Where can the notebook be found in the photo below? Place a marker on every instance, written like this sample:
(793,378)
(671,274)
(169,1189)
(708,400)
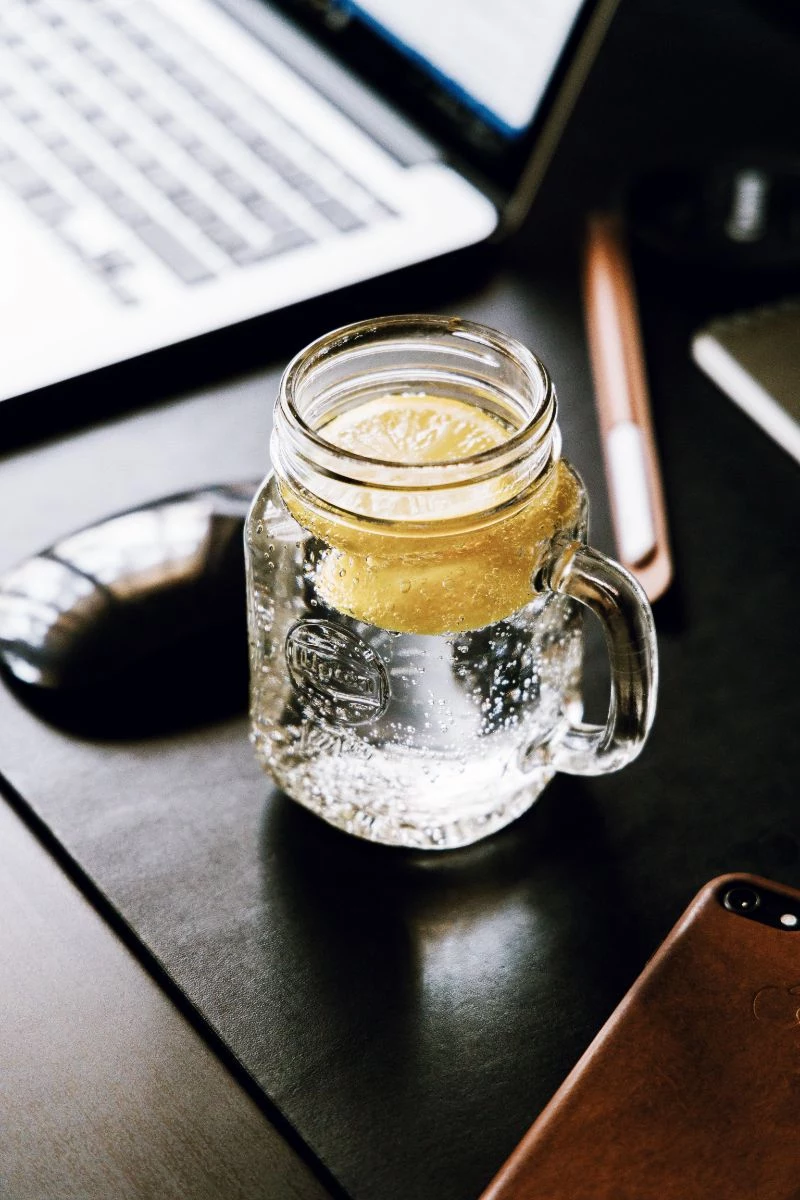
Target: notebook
(171,168)
(755,358)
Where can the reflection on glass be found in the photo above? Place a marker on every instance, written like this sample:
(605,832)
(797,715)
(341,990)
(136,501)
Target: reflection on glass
(36,596)
(133,552)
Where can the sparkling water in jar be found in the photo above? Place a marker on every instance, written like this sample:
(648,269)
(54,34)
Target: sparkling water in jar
(416,565)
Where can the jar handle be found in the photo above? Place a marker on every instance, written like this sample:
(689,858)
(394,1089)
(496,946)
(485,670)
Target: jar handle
(615,597)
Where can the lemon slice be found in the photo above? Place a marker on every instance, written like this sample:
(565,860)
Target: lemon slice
(407,580)
(414,429)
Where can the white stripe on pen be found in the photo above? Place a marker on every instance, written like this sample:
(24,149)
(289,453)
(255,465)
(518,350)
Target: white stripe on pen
(627,470)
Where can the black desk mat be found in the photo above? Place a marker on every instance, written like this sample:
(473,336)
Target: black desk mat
(410,1015)
(407,1014)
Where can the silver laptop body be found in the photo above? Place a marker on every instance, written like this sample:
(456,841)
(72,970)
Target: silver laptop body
(167,169)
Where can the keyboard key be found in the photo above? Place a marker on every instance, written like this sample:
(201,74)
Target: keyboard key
(162,178)
(138,37)
(237,185)
(49,16)
(72,157)
(200,213)
(162,58)
(88,108)
(21,108)
(226,237)
(110,129)
(64,87)
(22,179)
(208,158)
(112,262)
(114,16)
(126,83)
(185,79)
(379,210)
(180,133)
(37,62)
(269,214)
(100,60)
(242,129)
(340,216)
(272,156)
(100,182)
(249,255)
(49,206)
(312,189)
(154,109)
(173,253)
(218,108)
(48,134)
(138,155)
(127,209)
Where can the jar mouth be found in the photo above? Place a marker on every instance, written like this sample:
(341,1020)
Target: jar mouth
(411,355)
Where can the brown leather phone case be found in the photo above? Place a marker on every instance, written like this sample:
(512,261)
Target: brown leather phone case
(691,1091)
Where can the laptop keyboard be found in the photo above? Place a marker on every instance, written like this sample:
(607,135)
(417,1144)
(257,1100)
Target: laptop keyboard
(126,135)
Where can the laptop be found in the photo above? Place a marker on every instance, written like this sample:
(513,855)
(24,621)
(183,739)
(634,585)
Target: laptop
(172,167)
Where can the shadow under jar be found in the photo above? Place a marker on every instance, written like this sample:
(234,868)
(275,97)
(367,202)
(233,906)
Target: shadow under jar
(416,562)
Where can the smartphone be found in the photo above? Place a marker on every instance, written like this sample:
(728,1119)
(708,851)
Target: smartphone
(691,1090)
(755,358)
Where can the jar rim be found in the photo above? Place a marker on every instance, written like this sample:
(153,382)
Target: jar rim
(344,340)
(447,356)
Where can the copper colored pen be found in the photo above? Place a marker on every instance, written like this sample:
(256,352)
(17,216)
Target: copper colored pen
(623,408)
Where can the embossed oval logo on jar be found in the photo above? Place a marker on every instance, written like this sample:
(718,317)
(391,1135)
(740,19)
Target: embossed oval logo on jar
(337,674)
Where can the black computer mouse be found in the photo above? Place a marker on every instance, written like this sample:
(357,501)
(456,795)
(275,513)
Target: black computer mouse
(136,625)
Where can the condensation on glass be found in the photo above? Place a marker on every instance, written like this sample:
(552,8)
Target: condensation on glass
(415,630)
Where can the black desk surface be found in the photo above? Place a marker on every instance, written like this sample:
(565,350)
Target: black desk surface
(408,1015)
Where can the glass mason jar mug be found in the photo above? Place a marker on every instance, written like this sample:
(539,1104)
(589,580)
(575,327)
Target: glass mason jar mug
(416,567)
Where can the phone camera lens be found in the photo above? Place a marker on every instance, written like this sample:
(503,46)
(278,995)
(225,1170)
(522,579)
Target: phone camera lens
(742,899)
